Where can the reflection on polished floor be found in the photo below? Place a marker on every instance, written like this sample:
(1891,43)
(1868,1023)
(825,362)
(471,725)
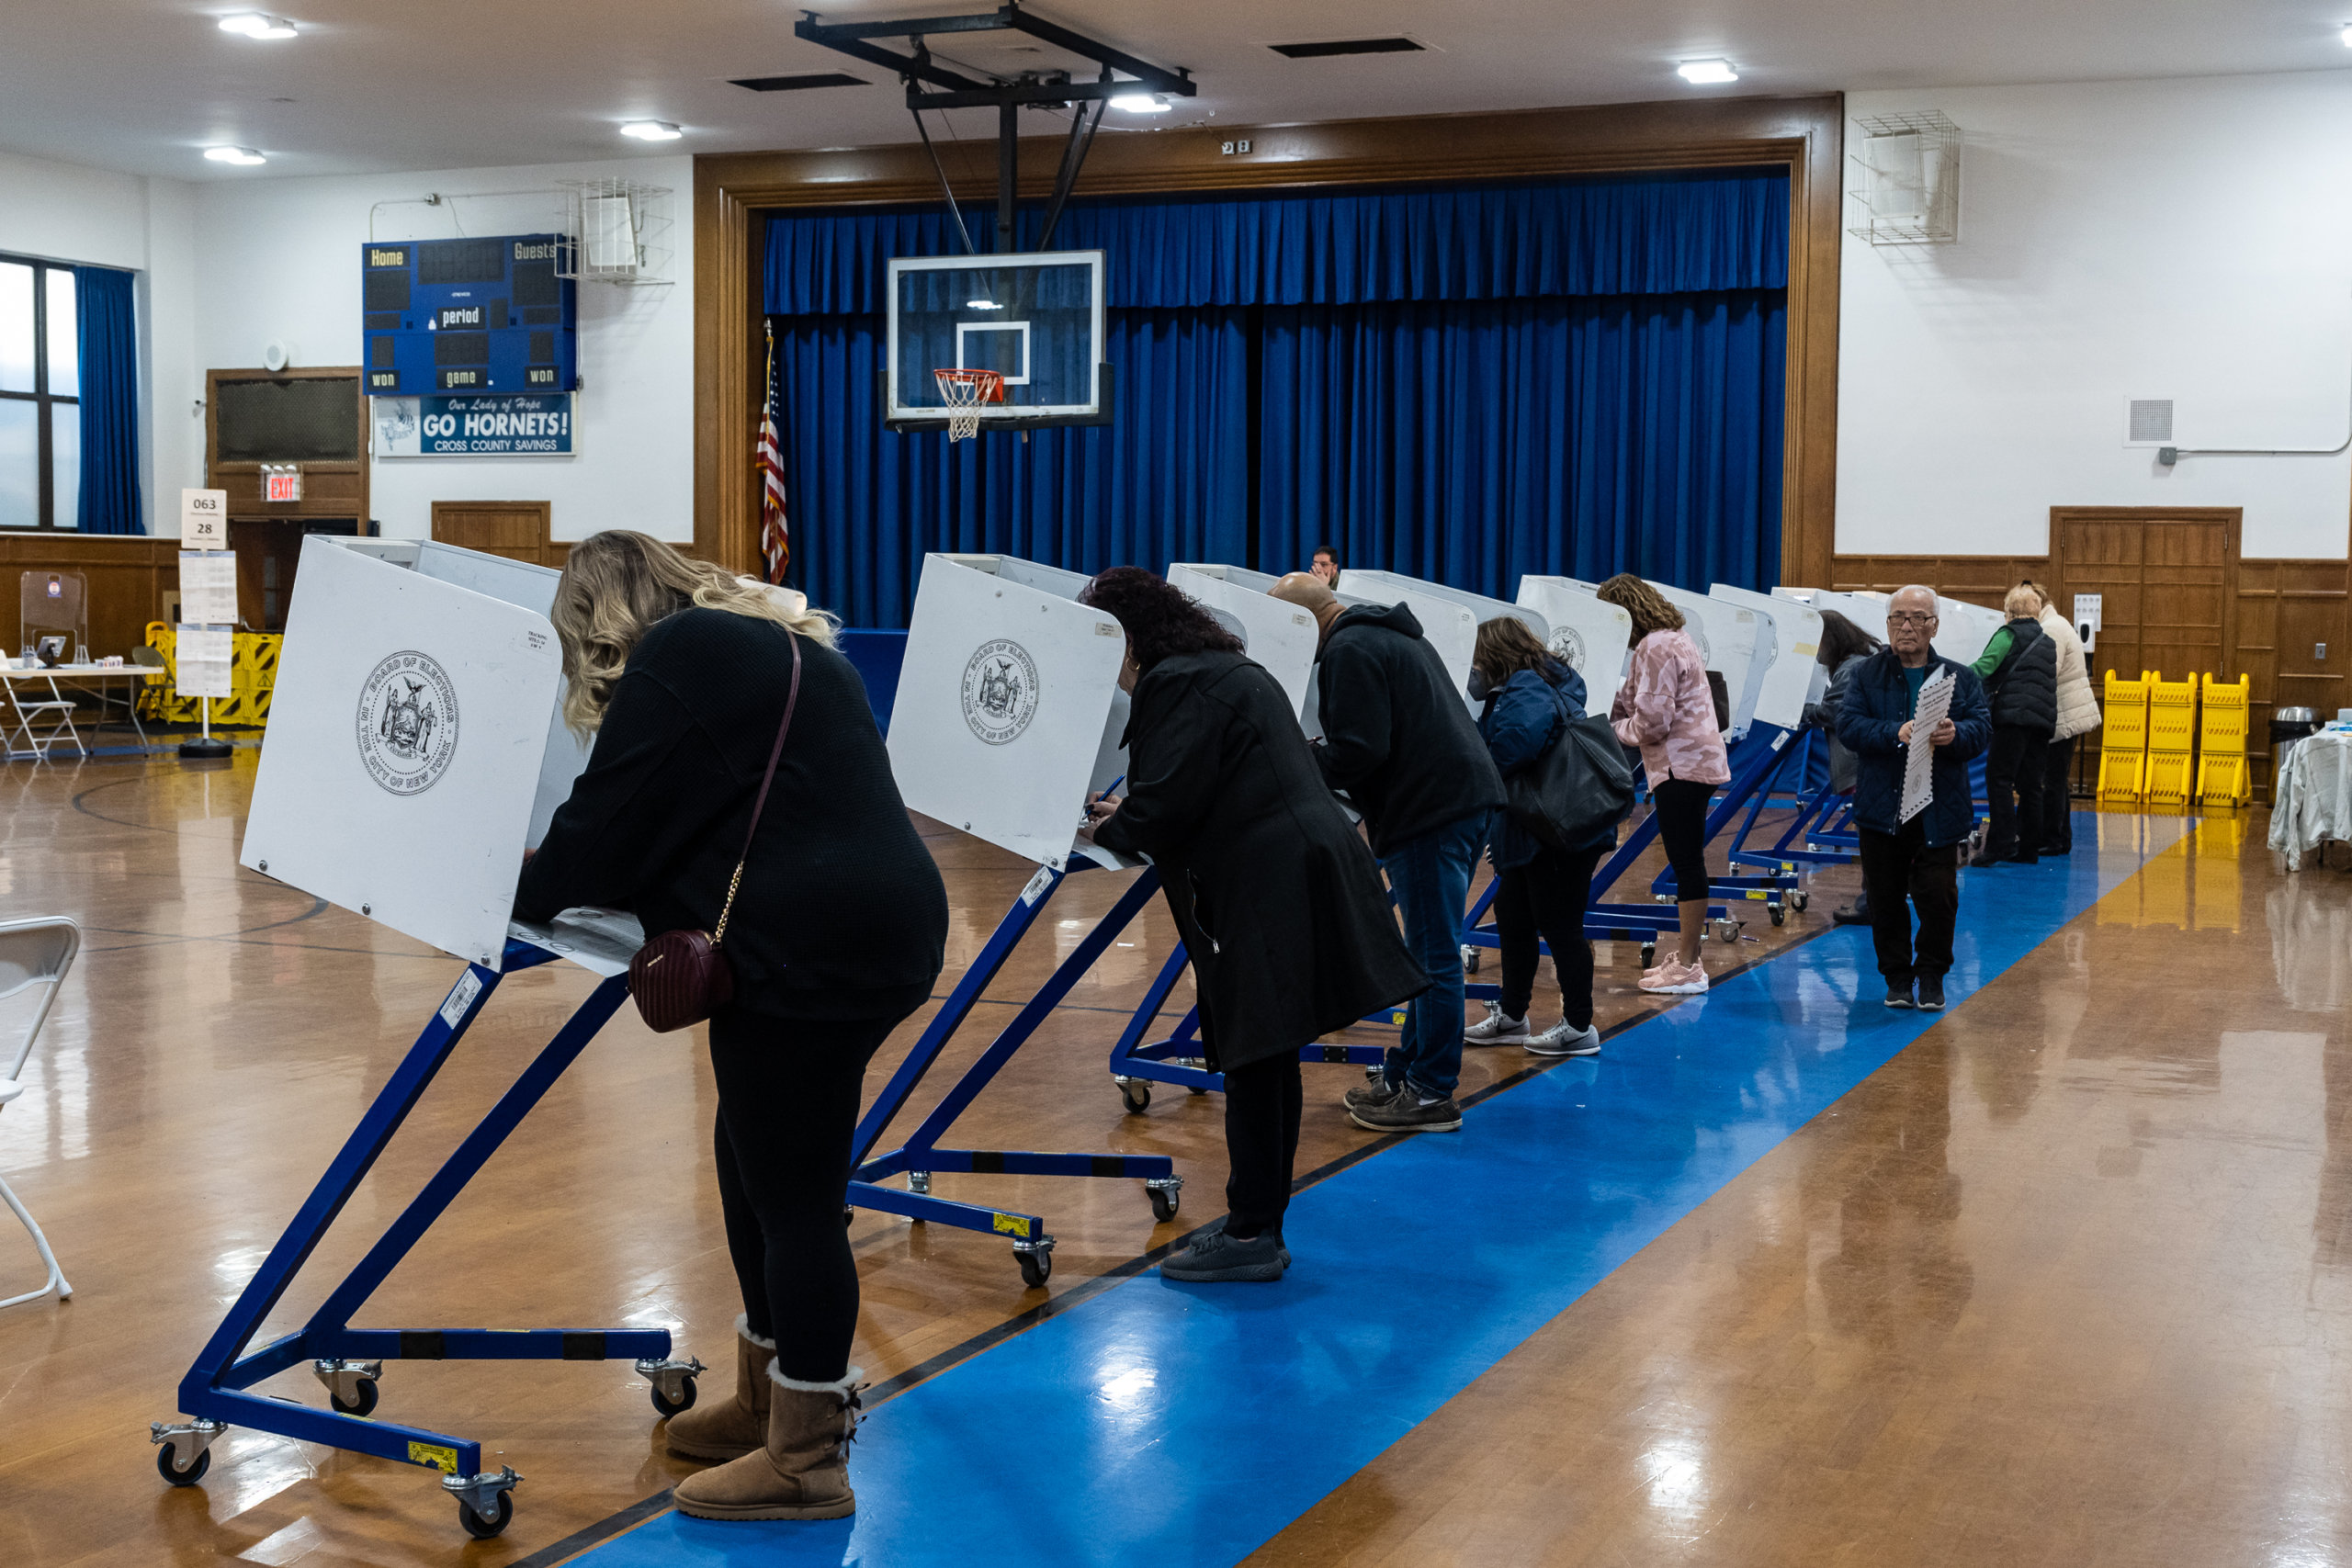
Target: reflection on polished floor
(2052,1278)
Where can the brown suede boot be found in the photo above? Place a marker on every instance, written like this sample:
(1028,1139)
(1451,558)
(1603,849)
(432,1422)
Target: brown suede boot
(737,1427)
(802,1474)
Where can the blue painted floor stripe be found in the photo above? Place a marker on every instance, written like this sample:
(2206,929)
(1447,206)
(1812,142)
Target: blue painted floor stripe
(1166,1424)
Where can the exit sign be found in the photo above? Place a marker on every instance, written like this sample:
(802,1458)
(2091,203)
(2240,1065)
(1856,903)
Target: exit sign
(280,481)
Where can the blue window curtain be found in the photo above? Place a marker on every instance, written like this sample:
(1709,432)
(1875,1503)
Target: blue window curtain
(109,348)
(1572,377)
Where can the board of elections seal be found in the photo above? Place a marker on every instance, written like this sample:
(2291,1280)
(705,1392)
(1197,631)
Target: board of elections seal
(407,723)
(1000,691)
(1567,645)
(1699,637)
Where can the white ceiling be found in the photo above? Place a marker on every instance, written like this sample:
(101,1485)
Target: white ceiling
(142,85)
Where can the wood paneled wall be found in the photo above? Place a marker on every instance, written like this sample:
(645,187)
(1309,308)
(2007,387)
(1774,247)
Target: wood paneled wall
(128,576)
(1979,580)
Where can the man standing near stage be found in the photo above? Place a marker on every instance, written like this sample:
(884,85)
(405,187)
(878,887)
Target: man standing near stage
(1913,863)
(1397,738)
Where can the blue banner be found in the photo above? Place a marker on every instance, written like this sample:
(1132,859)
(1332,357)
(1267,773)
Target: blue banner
(500,425)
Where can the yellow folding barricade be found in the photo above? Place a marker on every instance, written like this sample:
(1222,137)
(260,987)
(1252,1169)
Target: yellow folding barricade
(2170,776)
(2123,738)
(2224,777)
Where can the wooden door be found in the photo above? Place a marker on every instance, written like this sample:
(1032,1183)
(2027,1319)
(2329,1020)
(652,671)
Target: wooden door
(2167,578)
(515,529)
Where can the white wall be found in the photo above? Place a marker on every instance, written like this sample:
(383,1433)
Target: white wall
(2190,240)
(67,214)
(279,261)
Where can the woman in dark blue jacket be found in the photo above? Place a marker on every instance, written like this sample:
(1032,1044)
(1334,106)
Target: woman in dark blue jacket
(1530,695)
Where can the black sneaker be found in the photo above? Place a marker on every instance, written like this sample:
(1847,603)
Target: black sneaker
(1931,993)
(1214,1257)
(1402,1112)
(1280,1246)
(1851,914)
(1369,1094)
(1899,995)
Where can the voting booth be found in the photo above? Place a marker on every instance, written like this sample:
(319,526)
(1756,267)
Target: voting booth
(413,754)
(1792,677)
(1009,719)
(1276,634)
(1593,637)
(1450,627)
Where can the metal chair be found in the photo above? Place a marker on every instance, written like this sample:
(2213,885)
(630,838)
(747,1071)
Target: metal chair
(37,951)
(60,712)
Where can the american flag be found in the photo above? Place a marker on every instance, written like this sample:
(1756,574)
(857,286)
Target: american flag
(775,537)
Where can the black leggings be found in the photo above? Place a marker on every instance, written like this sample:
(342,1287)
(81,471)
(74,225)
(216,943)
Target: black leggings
(1548,895)
(1682,807)
(788,1095)
(1262,1105)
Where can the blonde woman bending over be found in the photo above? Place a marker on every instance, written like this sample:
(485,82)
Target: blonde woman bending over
(681,672)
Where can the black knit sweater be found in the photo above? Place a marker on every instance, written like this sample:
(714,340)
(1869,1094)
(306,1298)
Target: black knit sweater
(841,912)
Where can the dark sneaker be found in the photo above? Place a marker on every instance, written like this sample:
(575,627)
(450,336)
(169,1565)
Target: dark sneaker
(2023,860)
(1987,863)
(1851,914)
(1899,995)
(1931,993)
(1214,1257)
(1369,1094)
(1403,1112)
(1280,1246)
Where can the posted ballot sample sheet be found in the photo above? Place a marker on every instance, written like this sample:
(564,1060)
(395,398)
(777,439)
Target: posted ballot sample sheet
(208,588)
(204,655)
(1919,766)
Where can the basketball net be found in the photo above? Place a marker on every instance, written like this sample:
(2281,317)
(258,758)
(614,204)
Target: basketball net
(964,391)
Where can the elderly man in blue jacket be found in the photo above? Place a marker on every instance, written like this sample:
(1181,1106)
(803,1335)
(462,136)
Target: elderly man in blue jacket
(1913,864)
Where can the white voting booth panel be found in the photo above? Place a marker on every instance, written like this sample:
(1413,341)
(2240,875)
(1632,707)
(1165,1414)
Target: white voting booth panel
(1452,628)
(1963,630)
(1006,703)
(1280,637)
(1868,613)
(1733,641)
(408,737)
(1789,680)
(1595,637)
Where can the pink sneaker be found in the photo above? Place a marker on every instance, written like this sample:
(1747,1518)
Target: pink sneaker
(1676,979)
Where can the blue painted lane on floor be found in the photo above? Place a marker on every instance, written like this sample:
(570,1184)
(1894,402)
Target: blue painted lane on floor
(1165,1425)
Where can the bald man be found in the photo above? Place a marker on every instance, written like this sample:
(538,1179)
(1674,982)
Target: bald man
(1397,738)
(1913,864)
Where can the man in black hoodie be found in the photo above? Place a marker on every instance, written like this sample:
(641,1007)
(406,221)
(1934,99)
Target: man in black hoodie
(1397,738)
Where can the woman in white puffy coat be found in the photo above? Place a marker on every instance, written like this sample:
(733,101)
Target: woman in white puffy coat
(2077,714)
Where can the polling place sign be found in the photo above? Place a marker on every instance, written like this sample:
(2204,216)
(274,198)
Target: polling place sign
(492,426)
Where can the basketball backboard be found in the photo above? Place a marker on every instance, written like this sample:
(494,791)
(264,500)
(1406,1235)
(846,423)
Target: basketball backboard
(1035,320)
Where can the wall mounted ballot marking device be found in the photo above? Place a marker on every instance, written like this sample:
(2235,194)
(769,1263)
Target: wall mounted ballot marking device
(479,315)
(411,761)
(1009,717)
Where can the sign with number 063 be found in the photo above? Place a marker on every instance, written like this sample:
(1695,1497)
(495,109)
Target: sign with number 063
(204,519)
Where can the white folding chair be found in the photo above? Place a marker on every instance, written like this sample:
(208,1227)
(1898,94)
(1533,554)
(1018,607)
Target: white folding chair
(58,710)
(37,951)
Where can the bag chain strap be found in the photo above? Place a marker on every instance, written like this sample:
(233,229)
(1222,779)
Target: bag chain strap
(791,701)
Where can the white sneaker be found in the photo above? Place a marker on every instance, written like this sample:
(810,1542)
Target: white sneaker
(1496,1029)
(1676,979)
(1561,1041)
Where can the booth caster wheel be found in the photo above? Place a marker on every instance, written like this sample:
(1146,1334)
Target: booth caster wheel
(918,1181)
(1780,916)
(363,1404)
(1167,1195)
(849,1215)
(1037,1262)
(484,1527)
(1726,930)
(1136,1093)
(1470,959)
(1800,900)
(1649,955)
(175,1476)
(1373,1073)
(673,1383)
(350,1384)
(665,1406)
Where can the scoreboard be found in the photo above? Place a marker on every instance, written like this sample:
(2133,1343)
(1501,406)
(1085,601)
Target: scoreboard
(485,315)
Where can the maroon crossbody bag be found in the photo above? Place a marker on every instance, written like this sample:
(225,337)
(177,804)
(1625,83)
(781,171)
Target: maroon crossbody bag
(682,978)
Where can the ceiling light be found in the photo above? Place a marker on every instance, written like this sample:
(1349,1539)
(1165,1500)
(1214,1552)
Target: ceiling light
(253,24)
(1141,103)
(1706,73)
(2347,37)
(652,131)
(982,305)
(243,157)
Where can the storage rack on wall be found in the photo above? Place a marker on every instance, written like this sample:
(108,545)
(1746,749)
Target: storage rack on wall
(1905,187)
(616,230)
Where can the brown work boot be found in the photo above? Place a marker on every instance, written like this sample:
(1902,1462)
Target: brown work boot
(802,1474)
(739,1427)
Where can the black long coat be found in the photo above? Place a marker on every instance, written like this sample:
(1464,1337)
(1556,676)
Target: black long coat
(1279,902)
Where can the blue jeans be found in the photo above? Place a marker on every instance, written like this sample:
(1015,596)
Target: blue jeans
(1431,876)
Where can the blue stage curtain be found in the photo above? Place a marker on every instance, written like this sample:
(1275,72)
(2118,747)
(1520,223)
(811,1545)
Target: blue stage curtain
(1473,443)
(109,350)
(1166,479)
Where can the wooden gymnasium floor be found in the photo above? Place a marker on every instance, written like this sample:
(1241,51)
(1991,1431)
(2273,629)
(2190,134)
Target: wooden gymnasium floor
(2064,1280)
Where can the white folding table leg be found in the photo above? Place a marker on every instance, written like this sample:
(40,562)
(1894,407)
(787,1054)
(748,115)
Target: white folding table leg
(56,1281)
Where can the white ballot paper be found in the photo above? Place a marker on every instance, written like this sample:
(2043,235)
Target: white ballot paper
(203,654)
(208,588)
(1919,767)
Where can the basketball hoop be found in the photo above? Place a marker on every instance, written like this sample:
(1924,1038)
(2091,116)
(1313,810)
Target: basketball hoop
(964,391)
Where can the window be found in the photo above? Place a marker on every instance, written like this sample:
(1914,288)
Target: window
(40,403)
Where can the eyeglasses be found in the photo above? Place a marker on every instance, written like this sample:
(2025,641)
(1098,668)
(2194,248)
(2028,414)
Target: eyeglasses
(1911,620)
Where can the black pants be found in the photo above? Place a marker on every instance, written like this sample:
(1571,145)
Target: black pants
(1261,1111)
(1547,895)
(2013,783)
(1682,807)
(1899,872)
(789,1093)
(2058,798)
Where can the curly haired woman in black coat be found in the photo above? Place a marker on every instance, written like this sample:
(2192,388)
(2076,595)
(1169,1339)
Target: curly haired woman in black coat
(1278,900)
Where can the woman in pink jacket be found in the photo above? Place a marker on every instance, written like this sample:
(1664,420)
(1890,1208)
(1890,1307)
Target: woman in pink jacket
(1665,708)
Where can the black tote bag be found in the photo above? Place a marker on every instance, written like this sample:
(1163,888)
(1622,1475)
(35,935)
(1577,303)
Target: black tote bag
(1578,787)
